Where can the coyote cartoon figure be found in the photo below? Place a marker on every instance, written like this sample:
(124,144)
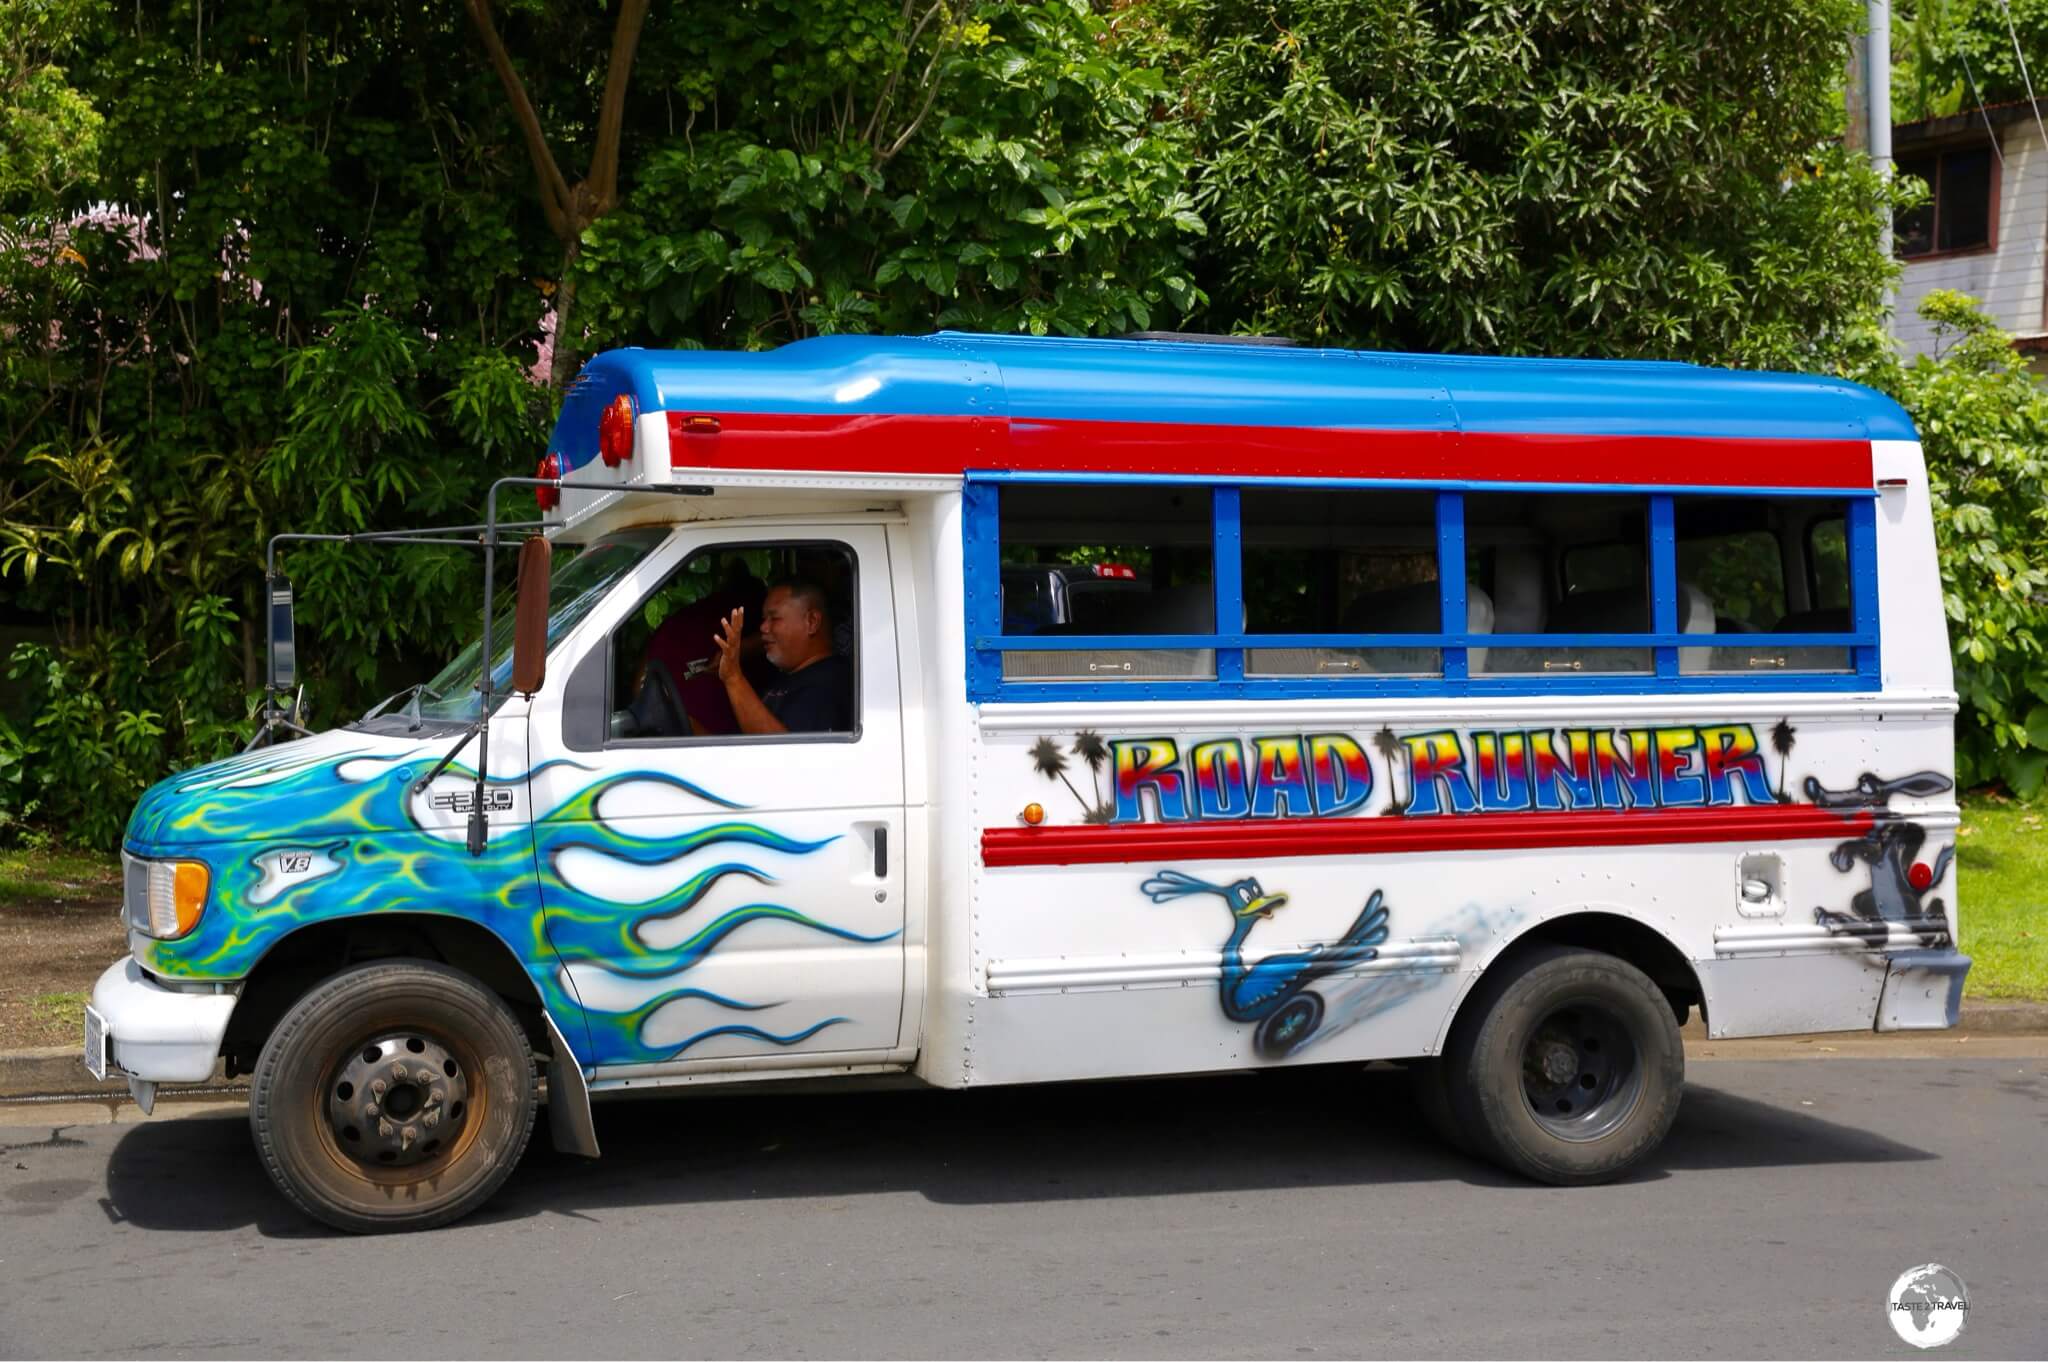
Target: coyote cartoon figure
(1899,881)
(1273,991)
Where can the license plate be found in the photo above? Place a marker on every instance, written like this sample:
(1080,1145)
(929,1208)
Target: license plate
(95,1044)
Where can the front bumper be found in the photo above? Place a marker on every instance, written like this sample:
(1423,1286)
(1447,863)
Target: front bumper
(158,1034)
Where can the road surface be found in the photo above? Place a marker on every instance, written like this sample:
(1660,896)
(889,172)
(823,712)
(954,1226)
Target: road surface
(1296,1214)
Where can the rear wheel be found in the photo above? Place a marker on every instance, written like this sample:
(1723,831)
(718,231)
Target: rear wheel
(396,1096)
(1567,1067)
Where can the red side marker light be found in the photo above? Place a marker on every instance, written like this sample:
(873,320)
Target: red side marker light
(1920,875)
(1890,484)
(615,431)
(548,497)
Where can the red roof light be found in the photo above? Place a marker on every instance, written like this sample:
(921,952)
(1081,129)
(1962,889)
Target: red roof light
(615,431)
(548,497)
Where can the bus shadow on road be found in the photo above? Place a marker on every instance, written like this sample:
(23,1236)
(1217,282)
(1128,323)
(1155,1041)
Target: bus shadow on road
(1292,1129)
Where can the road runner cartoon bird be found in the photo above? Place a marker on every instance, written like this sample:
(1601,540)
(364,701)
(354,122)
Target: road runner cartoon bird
(1272,991)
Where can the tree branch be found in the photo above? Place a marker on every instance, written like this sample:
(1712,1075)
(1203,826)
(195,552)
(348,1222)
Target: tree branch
(888,95)
(931,94)
(603,179)
(554,190)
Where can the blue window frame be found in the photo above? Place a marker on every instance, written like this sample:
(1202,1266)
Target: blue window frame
(1670,649)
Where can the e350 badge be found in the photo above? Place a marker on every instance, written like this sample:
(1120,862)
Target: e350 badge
(462,801)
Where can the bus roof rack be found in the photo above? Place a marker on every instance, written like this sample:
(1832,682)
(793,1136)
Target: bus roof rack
(1209,338)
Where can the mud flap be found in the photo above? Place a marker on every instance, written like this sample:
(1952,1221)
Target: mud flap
(1923,991)
(569,1121)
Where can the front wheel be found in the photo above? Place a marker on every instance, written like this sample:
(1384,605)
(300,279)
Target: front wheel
(1566,1068)
(396,1096)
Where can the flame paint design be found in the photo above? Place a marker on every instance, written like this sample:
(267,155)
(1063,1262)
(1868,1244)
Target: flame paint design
(232,813)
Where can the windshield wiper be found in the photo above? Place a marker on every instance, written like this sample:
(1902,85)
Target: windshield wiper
(411,696)
(412,706)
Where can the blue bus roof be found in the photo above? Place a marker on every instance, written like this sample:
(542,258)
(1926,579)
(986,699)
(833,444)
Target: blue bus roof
(1058,378)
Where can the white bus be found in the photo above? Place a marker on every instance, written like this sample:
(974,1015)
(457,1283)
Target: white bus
(1008,710)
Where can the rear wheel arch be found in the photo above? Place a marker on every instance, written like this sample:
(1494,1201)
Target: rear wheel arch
(299,961)
(1609,933)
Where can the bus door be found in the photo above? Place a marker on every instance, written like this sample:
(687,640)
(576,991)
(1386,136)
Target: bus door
(714,894)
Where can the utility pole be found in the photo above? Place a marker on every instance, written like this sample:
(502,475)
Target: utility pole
(1878,90)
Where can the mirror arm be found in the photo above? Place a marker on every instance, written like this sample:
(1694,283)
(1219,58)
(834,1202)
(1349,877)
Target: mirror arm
(430,777)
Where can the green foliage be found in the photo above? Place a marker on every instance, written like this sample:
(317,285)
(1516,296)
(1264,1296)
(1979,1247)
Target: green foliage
(1943,50)
(1040,189)
(49,130)
(1552,177)
(1983,423)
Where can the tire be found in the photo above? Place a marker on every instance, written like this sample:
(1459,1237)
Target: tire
(1429,1087)
(456,1109)
(1565,1067)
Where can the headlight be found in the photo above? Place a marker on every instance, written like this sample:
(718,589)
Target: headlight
(164,898)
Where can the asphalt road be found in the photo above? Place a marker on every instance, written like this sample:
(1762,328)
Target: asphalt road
(1277,1215)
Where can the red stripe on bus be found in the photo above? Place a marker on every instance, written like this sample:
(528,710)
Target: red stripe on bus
(951,445)
(1099,844)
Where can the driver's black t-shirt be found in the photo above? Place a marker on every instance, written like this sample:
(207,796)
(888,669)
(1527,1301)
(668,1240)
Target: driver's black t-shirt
(815,699)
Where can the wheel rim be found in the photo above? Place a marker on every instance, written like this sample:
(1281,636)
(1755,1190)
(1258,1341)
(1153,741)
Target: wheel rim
(1581,1073)
(398,1105)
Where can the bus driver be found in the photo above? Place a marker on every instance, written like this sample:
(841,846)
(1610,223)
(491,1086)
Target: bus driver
(814,694)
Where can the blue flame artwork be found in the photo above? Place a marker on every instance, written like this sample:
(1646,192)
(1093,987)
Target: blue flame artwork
(319,830)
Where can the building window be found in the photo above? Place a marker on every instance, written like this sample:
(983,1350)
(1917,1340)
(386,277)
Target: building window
(1958,213)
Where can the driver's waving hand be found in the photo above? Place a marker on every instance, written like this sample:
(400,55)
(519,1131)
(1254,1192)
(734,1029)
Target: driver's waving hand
(814,693)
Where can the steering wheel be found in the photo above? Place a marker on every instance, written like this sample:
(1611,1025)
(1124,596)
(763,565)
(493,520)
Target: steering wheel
(657,711)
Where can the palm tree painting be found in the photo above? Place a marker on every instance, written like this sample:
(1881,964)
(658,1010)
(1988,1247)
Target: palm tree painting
(1089,747)
(1052,764)
(1387,745)
(1782,737)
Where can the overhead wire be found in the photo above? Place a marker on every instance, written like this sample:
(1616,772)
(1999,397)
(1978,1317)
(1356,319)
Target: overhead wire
(2032,103)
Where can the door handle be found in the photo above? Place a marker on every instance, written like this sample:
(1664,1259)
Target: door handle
(882,852)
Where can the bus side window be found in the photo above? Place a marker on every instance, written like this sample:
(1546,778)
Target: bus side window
(1567,563)
(1827,563)
(1344,562)
(1113,561)
(1732,556)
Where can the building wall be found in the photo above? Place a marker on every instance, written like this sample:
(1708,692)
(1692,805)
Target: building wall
(2007,281)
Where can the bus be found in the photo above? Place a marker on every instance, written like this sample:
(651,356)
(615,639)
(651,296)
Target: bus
(996,710)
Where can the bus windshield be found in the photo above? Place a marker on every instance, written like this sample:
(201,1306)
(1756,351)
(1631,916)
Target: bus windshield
(582,576)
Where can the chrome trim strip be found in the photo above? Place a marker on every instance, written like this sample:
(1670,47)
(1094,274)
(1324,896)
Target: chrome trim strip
(1425,955)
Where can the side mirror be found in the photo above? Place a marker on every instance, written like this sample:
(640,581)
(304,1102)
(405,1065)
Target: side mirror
(530,624)
(284,661)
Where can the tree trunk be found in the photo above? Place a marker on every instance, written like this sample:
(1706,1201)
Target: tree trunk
(570,208)
(567,357)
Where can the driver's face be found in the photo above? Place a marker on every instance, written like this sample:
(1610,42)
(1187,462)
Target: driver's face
(786,628)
